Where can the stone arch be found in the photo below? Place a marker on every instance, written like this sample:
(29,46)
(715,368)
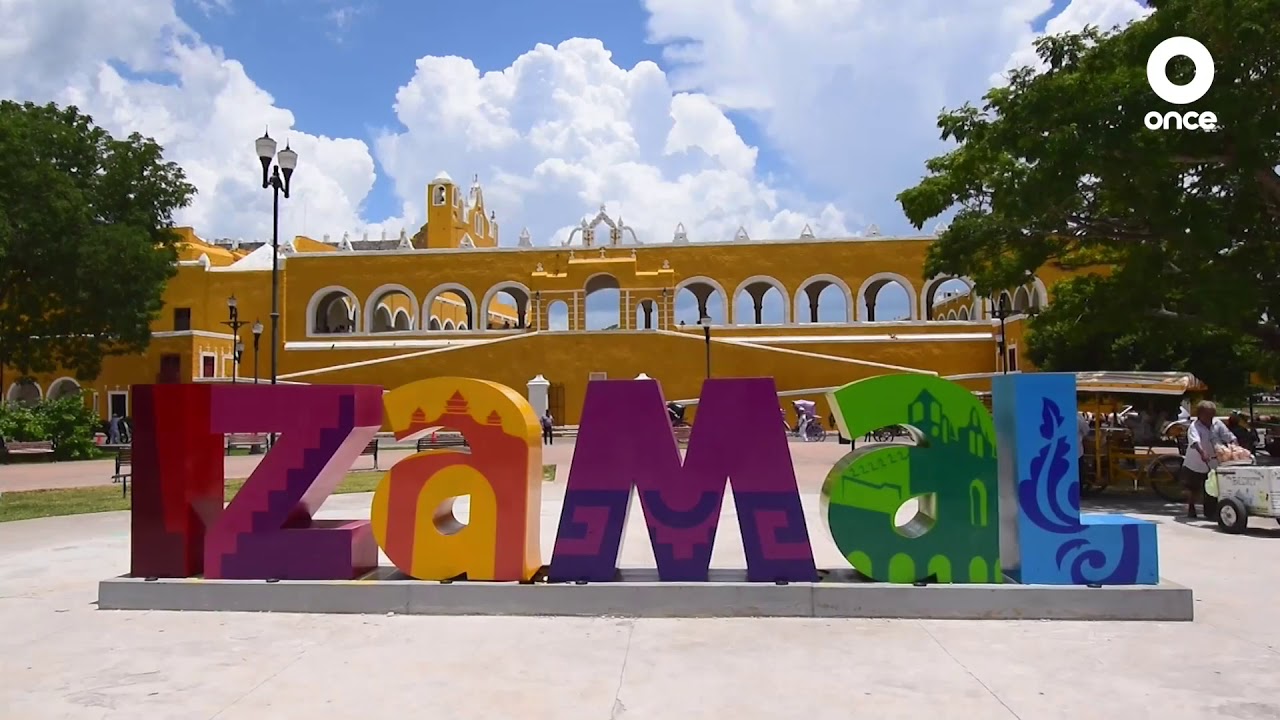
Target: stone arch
(647,315)
(376,299)
(468,300)
(330,308)
(963,314)
(1004,299)
(870,289)
(434,324)
(814,288)
(382,320)
(448,326)
(558,315)
(27,392)
(928,296)
(1021,300)
(703,290)
(63,387)
(609,318)
(1039,294)
(402,321)
(462,326)
(952,315)
(757,288)
(518,292)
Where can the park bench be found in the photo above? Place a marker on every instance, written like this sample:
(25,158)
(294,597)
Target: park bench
(36,448)
(124,469)
(246,440)
(435,441)
(371,450)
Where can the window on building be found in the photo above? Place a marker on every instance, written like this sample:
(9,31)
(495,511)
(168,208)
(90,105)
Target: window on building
(170,369)
(208,366)
(118,402)
(439,195)
(1013,359)
(479,224)
(181,319)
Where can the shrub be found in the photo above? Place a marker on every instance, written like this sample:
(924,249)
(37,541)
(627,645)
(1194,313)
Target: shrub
(66,421)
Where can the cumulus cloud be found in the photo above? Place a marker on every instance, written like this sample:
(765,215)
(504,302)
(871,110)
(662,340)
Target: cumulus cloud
(846,93)
(558,133)
(564,129)
(138,66)
(1105,14)
(850,91)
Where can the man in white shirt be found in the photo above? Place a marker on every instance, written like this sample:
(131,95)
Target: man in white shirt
(1205,434)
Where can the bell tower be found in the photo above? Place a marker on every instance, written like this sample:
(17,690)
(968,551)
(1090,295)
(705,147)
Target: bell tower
(443,210)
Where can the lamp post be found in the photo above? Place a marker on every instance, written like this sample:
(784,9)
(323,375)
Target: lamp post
(705,322)
(1002,313)
(277,178)
(257,338)
(237,354)
(235,323)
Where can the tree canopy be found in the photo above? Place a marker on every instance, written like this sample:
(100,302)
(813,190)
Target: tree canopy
(1058,167)
(86,239)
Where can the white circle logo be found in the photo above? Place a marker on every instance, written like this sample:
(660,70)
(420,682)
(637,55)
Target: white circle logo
(1158,65)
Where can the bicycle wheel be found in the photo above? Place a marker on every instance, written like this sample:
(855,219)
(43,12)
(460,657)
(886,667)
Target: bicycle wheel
(815,433)
(1162,476)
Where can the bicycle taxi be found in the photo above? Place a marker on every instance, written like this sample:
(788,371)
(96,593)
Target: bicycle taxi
(1134,430)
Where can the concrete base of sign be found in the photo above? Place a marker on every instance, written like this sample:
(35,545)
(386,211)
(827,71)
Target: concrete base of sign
(637,593)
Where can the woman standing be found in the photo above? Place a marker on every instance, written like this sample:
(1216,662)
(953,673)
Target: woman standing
(1205,434)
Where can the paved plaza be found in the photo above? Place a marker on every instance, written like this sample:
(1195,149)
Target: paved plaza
(61,658)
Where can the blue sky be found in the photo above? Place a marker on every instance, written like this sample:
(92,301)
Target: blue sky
(339,63)
(715,115)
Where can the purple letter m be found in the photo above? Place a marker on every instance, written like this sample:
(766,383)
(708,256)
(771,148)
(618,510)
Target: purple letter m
(626,441)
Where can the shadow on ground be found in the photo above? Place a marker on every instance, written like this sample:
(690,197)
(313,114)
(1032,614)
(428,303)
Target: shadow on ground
(1151,505)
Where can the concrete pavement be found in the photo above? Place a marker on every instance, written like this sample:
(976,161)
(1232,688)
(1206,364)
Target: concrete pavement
(60,658)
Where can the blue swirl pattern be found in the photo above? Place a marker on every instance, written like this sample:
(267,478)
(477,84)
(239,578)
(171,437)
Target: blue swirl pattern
(1057,545)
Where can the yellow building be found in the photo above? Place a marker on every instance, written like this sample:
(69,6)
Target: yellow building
(450,301)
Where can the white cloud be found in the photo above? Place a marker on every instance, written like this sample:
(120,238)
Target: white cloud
(564,129)
(1105,14)
(556,134)
(137,66)
(848,90)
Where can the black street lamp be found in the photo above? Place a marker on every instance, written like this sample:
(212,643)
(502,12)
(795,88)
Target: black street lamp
(705,322)
(277,179)
(257,339)
(1002,313)
(235,323)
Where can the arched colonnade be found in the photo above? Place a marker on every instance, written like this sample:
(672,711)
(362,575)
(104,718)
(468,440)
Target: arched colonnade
(602,304)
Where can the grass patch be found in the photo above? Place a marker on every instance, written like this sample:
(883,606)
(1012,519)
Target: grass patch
(32,504)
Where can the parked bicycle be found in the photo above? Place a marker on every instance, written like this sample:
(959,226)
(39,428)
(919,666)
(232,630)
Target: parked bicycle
(886,434)
(808,427)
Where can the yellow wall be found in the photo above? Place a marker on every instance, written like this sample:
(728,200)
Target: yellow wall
(452,281)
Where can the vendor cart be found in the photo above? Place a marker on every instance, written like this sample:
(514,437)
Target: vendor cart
(1121,452)
(1245,490)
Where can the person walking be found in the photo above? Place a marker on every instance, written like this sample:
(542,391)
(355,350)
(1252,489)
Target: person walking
(1205,433)
(547,424)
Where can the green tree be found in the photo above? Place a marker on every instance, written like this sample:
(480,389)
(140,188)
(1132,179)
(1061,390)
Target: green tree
(1058,167)
(86,239)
